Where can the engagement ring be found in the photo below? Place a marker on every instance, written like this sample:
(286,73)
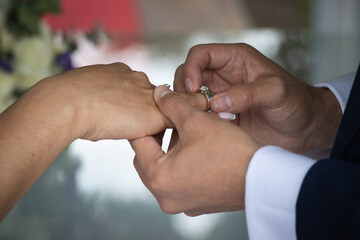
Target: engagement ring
(205,90)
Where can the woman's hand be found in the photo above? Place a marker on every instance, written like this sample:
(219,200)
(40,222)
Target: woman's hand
(109,102)
(271,105)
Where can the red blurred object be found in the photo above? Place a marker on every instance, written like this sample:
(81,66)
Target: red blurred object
(115,16)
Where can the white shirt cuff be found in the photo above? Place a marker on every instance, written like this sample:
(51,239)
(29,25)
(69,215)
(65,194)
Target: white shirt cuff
(340,87)
(273,181)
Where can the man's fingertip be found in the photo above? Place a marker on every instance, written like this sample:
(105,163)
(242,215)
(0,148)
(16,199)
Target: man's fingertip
(222,102)
(161,91)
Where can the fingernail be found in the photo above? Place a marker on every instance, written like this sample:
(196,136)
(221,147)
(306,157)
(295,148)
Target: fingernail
(226,115)
(161,91)
(167,85)
(188,84)
(222,103)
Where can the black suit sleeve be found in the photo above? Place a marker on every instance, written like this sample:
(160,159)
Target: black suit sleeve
(328,205)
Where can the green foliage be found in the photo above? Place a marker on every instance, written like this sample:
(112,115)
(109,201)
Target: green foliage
(24,15)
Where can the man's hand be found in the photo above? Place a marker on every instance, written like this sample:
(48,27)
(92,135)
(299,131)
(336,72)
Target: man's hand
(272,106)
(204,172)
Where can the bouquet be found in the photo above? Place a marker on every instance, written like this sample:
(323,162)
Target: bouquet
(29,50)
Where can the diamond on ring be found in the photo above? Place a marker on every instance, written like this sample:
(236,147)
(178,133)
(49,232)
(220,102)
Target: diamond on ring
(205,90)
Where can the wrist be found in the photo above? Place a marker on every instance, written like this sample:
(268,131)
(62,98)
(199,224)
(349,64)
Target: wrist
(34,131)
(55,106)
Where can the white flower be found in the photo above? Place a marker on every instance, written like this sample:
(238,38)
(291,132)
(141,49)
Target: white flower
(34,58)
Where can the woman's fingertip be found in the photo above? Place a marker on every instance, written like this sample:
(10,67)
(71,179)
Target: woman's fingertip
(161,91)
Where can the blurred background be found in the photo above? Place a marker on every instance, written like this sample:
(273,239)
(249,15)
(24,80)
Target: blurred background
(92,190)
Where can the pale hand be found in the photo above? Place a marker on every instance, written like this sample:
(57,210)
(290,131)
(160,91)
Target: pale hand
(107,102)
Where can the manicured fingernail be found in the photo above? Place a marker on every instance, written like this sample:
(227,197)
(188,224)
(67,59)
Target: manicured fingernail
(161,91)
(189,84)
(222,103)
(226,115)
(167,85)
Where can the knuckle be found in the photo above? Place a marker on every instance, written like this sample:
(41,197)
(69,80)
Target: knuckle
(198,49)
(193,99)
(158,183)
(140,79)
(167,207)
(248,50)
(179,85)
(179,70)
(120,65)
(195,48)
(192,214)
(171,100)
(139,75)
(246,95)
(279,88)
(245,47)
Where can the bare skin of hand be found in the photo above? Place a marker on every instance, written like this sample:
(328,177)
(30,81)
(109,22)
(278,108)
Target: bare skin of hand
(271,105)
(117,103)
(204,172)
(94,103)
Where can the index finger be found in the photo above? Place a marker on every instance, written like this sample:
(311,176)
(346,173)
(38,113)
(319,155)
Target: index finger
(201,58)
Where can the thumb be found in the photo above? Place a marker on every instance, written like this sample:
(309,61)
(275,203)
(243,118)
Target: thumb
(268,92)
(197,100)
(173,106)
